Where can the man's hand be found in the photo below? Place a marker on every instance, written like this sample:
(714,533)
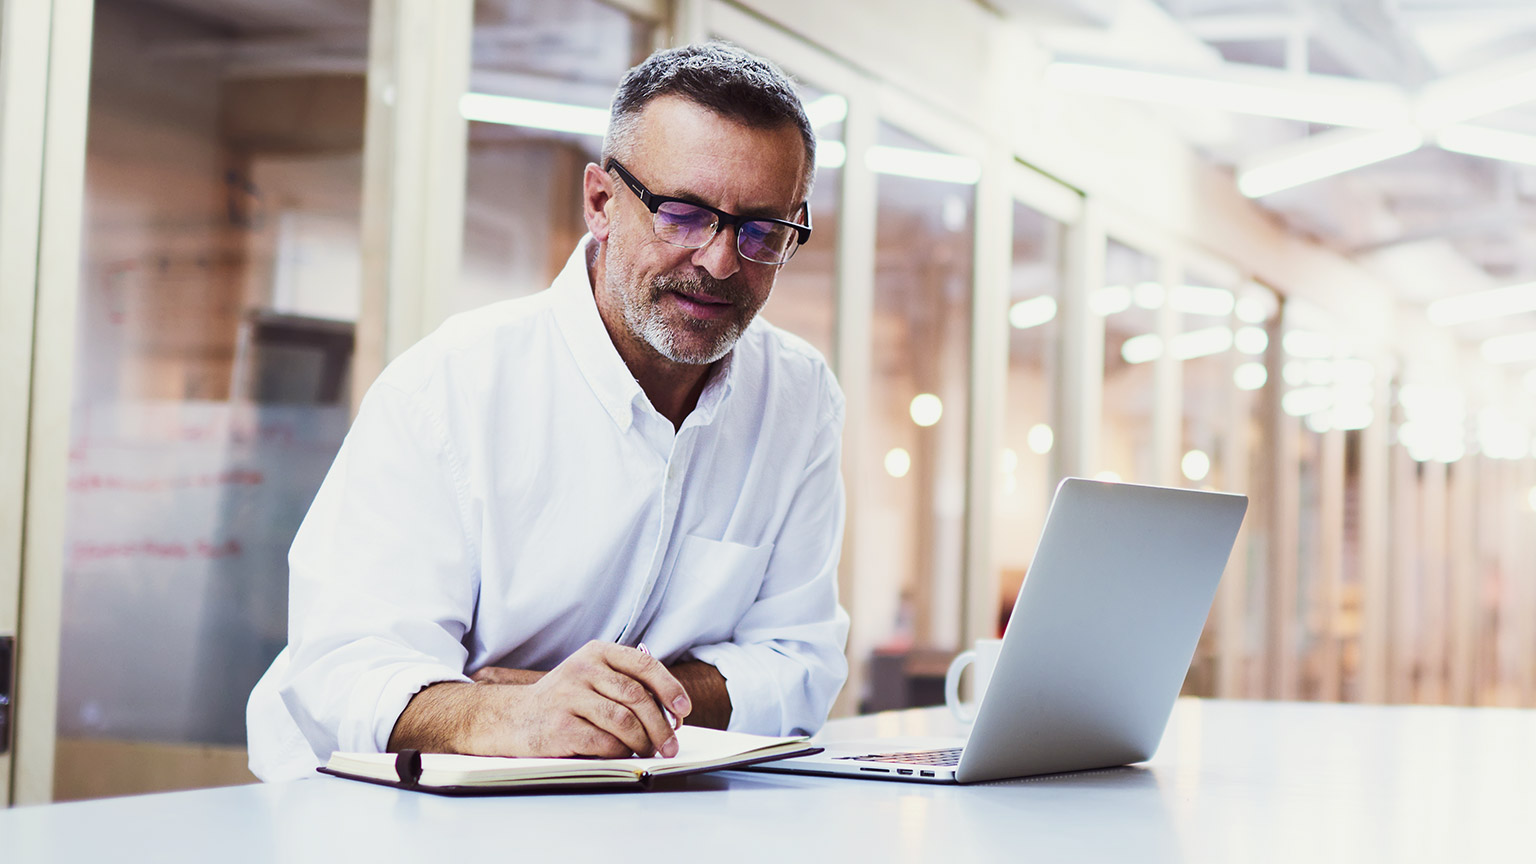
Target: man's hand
(601,701)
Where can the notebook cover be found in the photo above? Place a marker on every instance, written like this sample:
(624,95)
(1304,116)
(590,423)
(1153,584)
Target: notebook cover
(408,766)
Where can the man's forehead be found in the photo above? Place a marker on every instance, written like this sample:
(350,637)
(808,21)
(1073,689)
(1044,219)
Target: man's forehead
(692,143)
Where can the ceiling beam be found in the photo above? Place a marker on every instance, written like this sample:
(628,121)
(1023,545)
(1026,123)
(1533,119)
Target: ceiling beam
(1242,89)
(1323,155)
(1246,26)
(1362,35)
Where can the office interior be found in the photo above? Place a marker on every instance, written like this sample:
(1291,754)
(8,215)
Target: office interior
(1269,247)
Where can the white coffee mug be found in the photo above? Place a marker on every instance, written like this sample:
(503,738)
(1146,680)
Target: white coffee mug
(984,657)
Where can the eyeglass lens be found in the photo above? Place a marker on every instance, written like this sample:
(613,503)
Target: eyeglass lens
(683,224)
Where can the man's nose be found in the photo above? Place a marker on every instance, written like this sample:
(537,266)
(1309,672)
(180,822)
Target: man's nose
(718,256)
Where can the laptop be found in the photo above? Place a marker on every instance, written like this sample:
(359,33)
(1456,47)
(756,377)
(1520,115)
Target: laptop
(1095,653)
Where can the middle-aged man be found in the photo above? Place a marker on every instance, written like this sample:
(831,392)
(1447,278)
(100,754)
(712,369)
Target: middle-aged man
(544,488)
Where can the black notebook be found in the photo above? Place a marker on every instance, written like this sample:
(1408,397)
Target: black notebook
(699,750)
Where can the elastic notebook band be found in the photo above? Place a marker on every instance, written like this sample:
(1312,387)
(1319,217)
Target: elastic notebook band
(408,766)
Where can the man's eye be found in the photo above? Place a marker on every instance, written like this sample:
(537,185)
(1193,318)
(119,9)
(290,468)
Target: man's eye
(680,215)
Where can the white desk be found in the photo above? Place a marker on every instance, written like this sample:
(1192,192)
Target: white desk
(1232,782)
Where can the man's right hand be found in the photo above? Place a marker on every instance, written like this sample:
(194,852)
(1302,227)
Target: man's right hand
(600,701)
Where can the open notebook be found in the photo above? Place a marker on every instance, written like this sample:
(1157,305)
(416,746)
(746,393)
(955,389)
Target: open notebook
(699,750)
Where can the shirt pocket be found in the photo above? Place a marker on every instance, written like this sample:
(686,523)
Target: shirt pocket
(713,583)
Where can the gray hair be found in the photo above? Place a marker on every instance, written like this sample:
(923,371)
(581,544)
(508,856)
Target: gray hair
(732,83)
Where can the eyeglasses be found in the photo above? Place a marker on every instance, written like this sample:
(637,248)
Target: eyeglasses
(691,226)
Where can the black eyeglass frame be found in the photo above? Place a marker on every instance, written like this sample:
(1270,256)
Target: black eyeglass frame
(653,202)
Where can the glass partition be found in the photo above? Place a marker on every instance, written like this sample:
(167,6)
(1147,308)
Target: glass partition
(1128,303)
(218,296)
(1242,659)
(542,75)
(804,299)
(912,516)
(1202,344)
(1023,486)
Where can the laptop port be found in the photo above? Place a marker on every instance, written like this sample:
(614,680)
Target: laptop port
(927,773)
(903,770)
(876,770)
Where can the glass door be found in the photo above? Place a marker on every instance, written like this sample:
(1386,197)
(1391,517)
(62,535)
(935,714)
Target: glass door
(219,291)
(910,529)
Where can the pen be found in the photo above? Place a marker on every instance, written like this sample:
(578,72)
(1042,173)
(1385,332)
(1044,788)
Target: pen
(671,720)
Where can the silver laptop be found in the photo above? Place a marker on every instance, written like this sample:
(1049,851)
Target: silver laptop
(1102,633)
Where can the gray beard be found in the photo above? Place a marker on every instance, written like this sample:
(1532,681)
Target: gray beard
(644,318)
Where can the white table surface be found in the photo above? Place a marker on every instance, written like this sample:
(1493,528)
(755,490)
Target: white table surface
(1232,782)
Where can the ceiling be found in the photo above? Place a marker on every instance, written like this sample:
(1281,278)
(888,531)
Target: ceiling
(1434,222)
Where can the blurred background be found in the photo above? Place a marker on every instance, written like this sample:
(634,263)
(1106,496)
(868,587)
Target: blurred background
(1279,247)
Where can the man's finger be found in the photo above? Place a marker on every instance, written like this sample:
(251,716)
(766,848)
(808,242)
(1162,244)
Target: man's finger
(649,671)
(588,739)
(636,698)
(616,719)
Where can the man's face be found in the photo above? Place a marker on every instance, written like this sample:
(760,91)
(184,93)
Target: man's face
(689,306)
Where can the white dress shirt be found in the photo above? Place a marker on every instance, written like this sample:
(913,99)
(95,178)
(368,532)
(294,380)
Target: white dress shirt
(507,493)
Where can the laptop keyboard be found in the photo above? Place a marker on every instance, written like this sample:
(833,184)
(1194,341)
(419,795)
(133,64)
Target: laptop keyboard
(945,756)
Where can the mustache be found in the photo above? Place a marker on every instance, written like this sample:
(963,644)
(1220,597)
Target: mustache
(727,290)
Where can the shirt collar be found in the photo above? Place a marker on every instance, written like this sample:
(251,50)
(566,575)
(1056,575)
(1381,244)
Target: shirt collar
(600,364)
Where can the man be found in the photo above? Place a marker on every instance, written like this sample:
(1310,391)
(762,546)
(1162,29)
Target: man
(542,489)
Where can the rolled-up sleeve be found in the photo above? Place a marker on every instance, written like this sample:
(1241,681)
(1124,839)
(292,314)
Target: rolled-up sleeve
(784,664)
(383,578)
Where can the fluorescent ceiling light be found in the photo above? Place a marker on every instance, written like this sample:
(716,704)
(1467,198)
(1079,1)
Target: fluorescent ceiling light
(1250,376)
(1189,299)
(1201,343)
(1251,340)
(1032,312)
(1488,143)
(1306,400)
(1142,349)
(532,113)
(1479,305)
(1201,300)
(1312,98)
(1196,465)
(1252,310)
(1324,156)
(1041,438)
(1185,346)
(1516,348)
(1110,300)
(1481,91)
(826,110)
(923,165)
(1425,441)
(830,154)
(926,409)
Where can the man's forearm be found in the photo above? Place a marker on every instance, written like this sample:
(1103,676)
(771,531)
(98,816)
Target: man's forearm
(438,719)
(706,690)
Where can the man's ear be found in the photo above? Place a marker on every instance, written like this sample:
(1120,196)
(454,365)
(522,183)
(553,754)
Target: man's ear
(596,197)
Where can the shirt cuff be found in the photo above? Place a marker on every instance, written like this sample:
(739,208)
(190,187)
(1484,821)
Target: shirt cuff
(379,698)
(755,703)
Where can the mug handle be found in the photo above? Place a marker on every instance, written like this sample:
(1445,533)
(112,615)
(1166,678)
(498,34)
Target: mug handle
(964,713)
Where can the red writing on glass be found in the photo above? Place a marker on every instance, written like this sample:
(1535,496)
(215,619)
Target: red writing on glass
(86,553)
